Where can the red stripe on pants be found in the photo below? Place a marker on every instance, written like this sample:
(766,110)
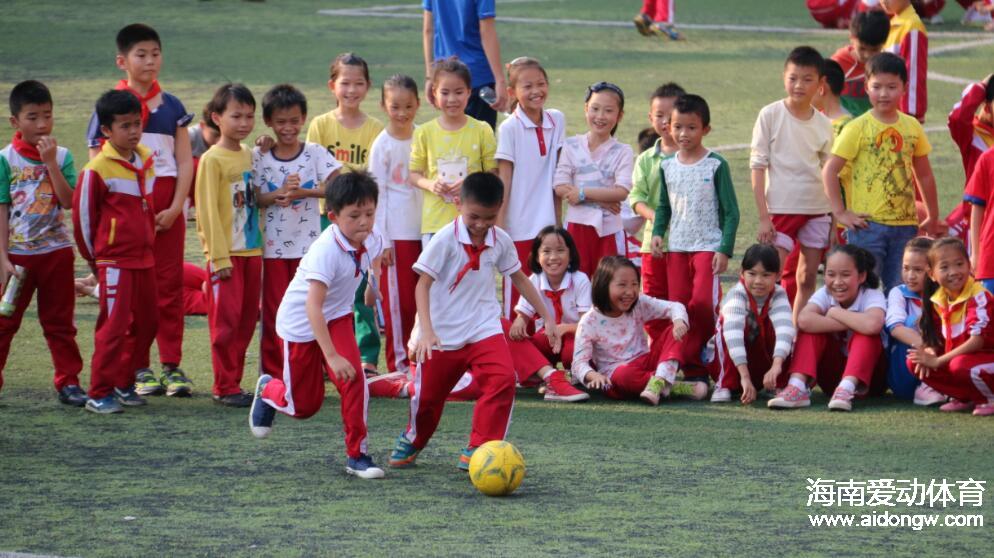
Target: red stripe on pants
(232,312)
(276,276)
(759,359)
(299,390)
(50,274)
(489,363)
(127,321)
(966,378)
(629,379)
(591,246)
(691,283)
(397,283)
(827,358)
(511,294)
(565,355)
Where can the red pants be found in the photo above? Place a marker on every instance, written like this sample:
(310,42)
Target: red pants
(788,279)
(490,364)
(276,276)
(691,283)
(655,284)
(968,377)
(397,284)
(232,312)
(194,290)
(51,275)
(298,390)
(127,321)
(169,246)
(658,10)
(565,355)
(826,358)
(511,294)
(526,357)
(592,247)
(759,359)
(629,379)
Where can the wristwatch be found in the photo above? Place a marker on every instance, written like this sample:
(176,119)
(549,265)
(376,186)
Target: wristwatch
(583,196)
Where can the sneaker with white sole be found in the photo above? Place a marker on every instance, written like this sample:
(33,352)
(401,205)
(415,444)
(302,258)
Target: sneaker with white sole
(261,414)
(956,406)
(721,395)
(129,397)
(983,410)
(653,390)
(558,388)
(790,397)
(147,384)
(363,467)
(926,396)
(841,400)
(104,405)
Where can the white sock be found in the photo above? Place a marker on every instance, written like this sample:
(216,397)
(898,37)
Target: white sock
(403,392)
(547,373)
(799,384)
(846,383)
(667,370)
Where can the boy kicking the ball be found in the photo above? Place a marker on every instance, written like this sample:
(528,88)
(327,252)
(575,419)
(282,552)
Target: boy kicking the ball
(459,319)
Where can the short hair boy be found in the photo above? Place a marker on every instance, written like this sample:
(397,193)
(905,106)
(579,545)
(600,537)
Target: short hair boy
(909,40)
(115,229)
(867,35)
(36,178)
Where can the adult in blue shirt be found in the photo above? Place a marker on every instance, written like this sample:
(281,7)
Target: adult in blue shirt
(466,29)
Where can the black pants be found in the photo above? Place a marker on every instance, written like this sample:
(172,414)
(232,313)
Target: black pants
(480,110)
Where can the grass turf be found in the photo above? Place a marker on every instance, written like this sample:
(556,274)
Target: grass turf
(185,477)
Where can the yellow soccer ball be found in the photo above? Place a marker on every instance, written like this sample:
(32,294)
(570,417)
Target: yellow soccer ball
(497,468)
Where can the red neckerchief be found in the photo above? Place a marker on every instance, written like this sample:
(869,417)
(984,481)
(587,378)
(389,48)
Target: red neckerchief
(139,172)
(557,303)
(152,92)
(23,148)
(761,314)
(474,253)
(357,258)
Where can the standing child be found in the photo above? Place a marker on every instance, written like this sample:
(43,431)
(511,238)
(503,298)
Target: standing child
(554,262)
(398,215)
(114,225)
(789,143)
(228,226)
(36,180)
(699,215)
(459,317)
(909,41)
(594,176)
(888,151)
(288,180)
(314,323)
(971,125)
(164,121)
(755,331)
(980,195)
(838,344)
(348,133)
(528,147)
(956,357)
(611,353)
(867,35)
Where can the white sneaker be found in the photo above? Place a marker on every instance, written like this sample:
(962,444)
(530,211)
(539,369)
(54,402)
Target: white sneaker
(721,395)
(926,396)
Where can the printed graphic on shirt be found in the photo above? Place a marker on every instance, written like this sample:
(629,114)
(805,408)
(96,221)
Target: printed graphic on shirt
(244,214)
(452,169)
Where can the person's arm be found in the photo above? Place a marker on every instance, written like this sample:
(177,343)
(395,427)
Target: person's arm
(316,292)
(208,199)
(661,219)
(583,354)
(505,170)
(813,319)
(976,220)
(728,213)
(428,48)
(759,163)
(48,150)
(869,322)
(6,268)
(658,309)
(833,190)
(87,198)
(914,51)
(491,47)
(531,294)
(639,197)
(929,360)
(184,177)
(926,185)
(960,121)
(427,340)
(734,313)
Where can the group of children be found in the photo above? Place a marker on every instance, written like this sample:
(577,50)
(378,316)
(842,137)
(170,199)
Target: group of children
(404,229)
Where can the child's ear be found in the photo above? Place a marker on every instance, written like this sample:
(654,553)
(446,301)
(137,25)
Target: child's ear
(707,129)
(105,130)
(13,123)
(119,62)
(331,85)
(216,119)
(331,216)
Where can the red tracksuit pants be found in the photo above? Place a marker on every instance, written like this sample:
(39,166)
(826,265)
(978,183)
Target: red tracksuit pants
(968,377)
(565,354)
(658,10)
(127,322)
(298,390)
(655,284)
(276,276)
(490,365)
(232,313)
(629,379)
(759,359)
(51,275)
(691,283)
(397,284)
(828,357)
(511,294)
(592,246)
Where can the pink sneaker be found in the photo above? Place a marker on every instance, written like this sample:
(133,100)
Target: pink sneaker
(841,400)
(789,398)
(558,388)
(956,406)
(985,410)
(926,396)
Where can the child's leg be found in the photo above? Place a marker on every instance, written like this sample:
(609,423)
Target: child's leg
(354,392)
(809,361)
(397,285)
(813,237)
(788,279)
(511,295)
(109,368)
(169,246)
(655,284)
(276,276)
(703,296)
(367,331)
(897,237)
(144,321)
(663,361)
(250,269)
(900,378)
(433,381)
(225,301)
(861,360)
(491,366)
(565,356)
(298,390)
(56,306)
(591,246)
(526,359)
(968,378)
(465,389)
(873,240)
(10,324)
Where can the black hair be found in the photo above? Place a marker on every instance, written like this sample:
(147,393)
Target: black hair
(870,28)
(667,90)
(834,76)
(281,97)
(116,102)
(514,69)
(28,92)
(349,59)
(929,323)
(990,90)
(399,81)
(206,117)
(451,65)
(574,254)
(920,245)
(886,63)
(763,254)
(694,104)
(600,285)
(350,188)
(483,188)
(806,57)
(230,92)
(130,35)
(864,260)
(607,86)
(647,138)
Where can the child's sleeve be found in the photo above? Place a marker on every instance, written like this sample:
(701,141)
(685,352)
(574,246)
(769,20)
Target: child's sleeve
(914,51)
(626,162)
(874,299)
(896,310)
(658,309)
(583,296)
(977,316)
(728,207)
(960,121)
(922,146)
(783,323)
(847,144)
(4,183)
(94,137)
(565,167)
(505,143)
(419,151)
(507,258)
(488,148)
(640,179)
(258,175)
(433,258)
(664,212)
(759,155)
(86,202)
(821,300)
(583,347)
(208,199)
(320,268)
(734,313)
(68,169)
(978,190)
(326,164)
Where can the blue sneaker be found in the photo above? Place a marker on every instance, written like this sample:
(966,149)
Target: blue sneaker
(464,456)
(404,453)
(129,397)
(72,395)
(104,405)
(261,415)
(363,467)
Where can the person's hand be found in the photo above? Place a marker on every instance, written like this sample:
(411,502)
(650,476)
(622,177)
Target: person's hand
(164,219)
(292,182)
(500,105)
(748,391)
(439,188)
(6,272)
(571,194)
(596,380)
(851,220)
(371,295)
(924,357)
(931,227)
(519,329)
(386,257)
(561,329)
(658,247)
(680,329)
(48,149)
(452,190)
(426,342)
(767,233)
(341,368)
(771,377)
(552,334)
(611,207)
(223,274)
(719,263)
(265,143)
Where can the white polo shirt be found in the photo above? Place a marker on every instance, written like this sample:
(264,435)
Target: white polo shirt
(466,312)
(398,210)
(575,298)
(330,260)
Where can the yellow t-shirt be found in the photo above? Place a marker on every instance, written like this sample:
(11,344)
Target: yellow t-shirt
(227,213)
(882,158)
(845,175)
(451,156)
(349,145)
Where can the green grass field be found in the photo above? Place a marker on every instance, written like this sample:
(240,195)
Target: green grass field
(185,477)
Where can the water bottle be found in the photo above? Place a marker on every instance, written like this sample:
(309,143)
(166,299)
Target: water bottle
(488,95)
(10,293)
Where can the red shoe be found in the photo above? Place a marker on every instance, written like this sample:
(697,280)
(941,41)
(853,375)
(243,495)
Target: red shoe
(985,410)
(558,388)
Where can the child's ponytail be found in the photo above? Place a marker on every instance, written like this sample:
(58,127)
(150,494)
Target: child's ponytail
(929,324)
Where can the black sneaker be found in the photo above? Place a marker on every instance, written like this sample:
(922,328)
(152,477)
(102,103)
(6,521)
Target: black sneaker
(129,397)
(240,399)
(72,395)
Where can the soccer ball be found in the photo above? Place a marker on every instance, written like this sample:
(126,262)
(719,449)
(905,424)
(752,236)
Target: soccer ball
(496,468)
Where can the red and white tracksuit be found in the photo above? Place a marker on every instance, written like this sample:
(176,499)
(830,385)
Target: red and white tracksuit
(661,11)
(692,283)
(276,276)
(655,284)
(759,355)
(397,283)
(629,379)
(232,313)
(592,246)
(973,134)
(828,357)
